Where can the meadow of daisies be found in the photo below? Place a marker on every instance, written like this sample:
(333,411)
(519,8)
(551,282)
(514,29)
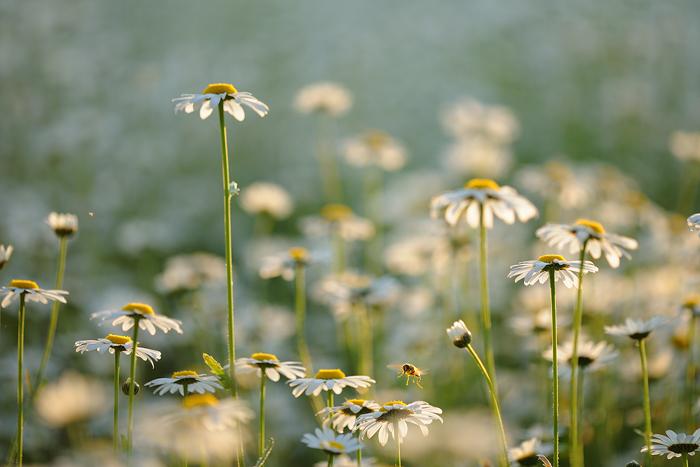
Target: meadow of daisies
(365,304)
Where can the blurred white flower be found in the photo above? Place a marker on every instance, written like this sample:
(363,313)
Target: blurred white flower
(482,194)
(338,219)
(73,398)
(213,94)
(557,183)
(284,265)
(5,254)
(331,442)
(375,148)
(191,271)
(478,157)
(591,355)
(526,452)
(63,225)
(140,313)
(469,117)
(693,223)
(323,97)
(342,292)
(636,329)
(685,145)
(266,198)
(537,271)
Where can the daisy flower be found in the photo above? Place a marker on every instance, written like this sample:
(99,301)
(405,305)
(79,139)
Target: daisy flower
(186,380)
(140,313)
(674,444)
(469,118)
(269,364)
(691,304)
(636,329)
(328,380)
(5,253)
(115,343)
(460,334)
(191,272)
(694,223)
(343,416)
(284,265)
(71,399)
(527,452)
(685,145)
(537,271)
(63,225)
(466,203)
(216,93)
(377,149)
(591,355)
(393,418)
(331,442)
(478,156)
(342,292)
(589,233)
(338,219)
(266,198)
(323,97)
(212,413)
(31,292)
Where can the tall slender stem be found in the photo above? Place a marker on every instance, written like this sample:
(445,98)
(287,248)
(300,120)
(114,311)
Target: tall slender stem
(573,390)
(366,351)
(229,254)
(20,378)
(494,405)
(690,374)
(132,385)
(398,445)
(53,323)
(332,186)
(647,401)
(485,308)
(331,458)
(555,370)
(115,430)
(300,311)
(338,251)
(261,431)
(359,457)
(685,460)
(329,398)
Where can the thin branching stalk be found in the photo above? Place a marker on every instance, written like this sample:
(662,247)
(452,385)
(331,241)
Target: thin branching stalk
(574,438)
(55,306)
(555,370)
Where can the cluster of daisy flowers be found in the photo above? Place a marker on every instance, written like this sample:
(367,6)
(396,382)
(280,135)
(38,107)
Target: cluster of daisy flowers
(374,269)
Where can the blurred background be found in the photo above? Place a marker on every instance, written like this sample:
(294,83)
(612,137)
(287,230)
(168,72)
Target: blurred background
(592,92)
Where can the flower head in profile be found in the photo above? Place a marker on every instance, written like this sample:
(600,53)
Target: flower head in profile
(343,292)
(468,118)
(72,398)
(537,271)
(31,292)
(195,382)
(330,442)
(115,343)
(694,223)
(375,148)
(527,452)
(593,234)
(393,418)
(63,225)
(685,145)
(269,365)
(636,329)
(284,265)
(5,254)
(324,97)
(328,380)
(141,314)
(459,333)
(343,416)
(212,413)
(232,101)
(674,444)
(691,304)
(592,356)
(338,219)
(268,199)
(466,203)
(191,272)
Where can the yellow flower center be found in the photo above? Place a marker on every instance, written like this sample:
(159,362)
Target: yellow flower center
(117,339)
(184,373)
(597,227)
(298,253)
(220,88)
(23,284)
(691,301)
(330,374)
(336,212)
(482,184)
(264,356)
(140,308)
(395,403)
(356,401)
(375,139)
(199,400)
(551,258)
(335,445)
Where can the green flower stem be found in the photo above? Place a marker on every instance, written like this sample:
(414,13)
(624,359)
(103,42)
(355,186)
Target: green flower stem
(485,309)
(20,378)
(332,186)
(338,252)
(132,385)
(331,458)
(574,438)
(366,348)
(115,430)
(55,306)
(229,254)
(329,399)
(398,445)
(300,311)
(261,431)
(555,370)
(374,182)
(690,374)
(647,401)
(494,405)
(359,457)
(685,460)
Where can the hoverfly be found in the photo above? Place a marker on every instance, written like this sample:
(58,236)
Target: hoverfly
(410,371)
